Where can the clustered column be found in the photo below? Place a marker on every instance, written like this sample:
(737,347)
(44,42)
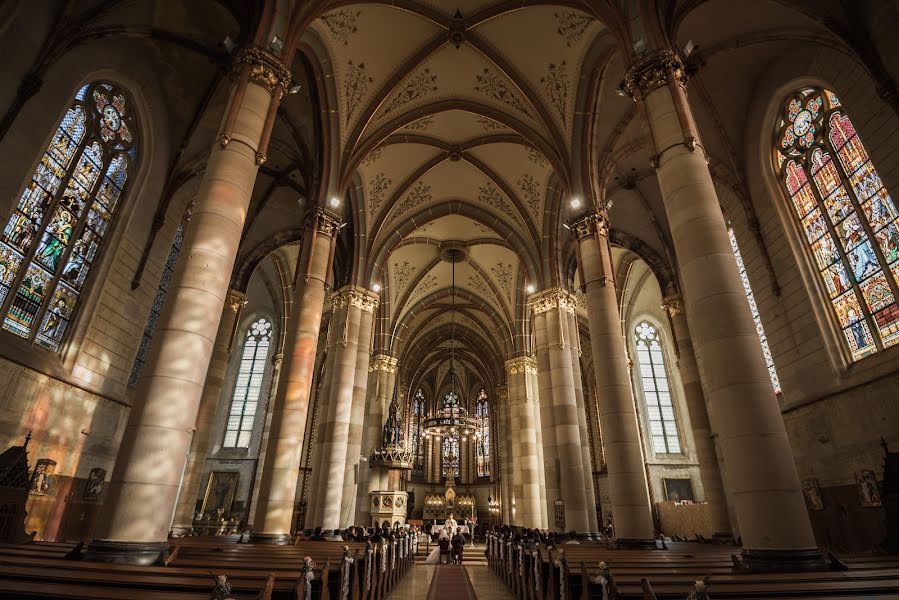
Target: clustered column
(144,487)
(381,384)
(281,467)
(201,443)
(631,511)
(563,458)
(774,522)
(525,468)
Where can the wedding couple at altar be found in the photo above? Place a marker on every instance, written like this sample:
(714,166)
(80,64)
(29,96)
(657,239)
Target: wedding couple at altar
(450,544)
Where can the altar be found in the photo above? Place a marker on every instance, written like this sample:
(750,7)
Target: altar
(436,529)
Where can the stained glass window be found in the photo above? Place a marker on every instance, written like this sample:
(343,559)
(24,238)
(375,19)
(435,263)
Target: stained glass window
(245,400)
(656,392)
(846,214)
(763,339)
(155,309)
(418,445)
(55,233)
(482,435)
(450,456)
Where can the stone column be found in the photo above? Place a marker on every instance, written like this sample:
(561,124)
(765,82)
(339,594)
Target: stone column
(144,487)
(204,432)
(534,387)
(281,468)
(558,414)
(355,467)
(699,417)
(347,306)
(526,470)
(774,522)
(631,511)
(381,383)
(320,415)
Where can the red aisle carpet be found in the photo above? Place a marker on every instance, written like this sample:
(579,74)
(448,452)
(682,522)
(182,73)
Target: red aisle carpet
(450,582)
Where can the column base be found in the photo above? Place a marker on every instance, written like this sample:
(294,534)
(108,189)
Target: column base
(636,544)
(332,535)
(180,531)
(278,539)
(781,561)
(127,553)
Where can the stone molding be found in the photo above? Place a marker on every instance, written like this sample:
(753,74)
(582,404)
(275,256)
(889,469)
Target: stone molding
(651,72)
(351,295)
(673,304)
(235,300)
(322,221)
(383,362)
(594,222)
(521,364)
(266,69)
(547,300)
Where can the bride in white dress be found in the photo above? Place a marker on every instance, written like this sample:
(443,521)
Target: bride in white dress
(434,557)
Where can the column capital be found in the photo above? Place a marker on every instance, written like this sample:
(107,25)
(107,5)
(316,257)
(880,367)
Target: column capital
(551,298)
(266,69)
(521,364)
(595,222)
(351,295)
(235,300)
(651,72)
(383,362)
(322,221)
(673,304)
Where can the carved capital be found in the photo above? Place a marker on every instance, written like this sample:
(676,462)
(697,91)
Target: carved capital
(674,305)
(235,300)
(553,298)
(521,364)
(595,222)
(322,221)
(266,69)
(350,295)
(651,72)
(383,362)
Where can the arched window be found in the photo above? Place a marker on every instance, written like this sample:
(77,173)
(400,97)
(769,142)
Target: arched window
(450,456)
(249,384)
(847,216)
(54,236)
(482,435)
(418,446)
(156,308)
(656,392)
(763,339)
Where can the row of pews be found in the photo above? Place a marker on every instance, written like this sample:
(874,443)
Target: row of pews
(593,571)
(202,568)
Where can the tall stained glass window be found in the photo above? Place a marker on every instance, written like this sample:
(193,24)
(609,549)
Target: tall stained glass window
(418,442)
(846,215)
(155,309)
(482,435)
(449,462)
(656,392)
(249,385)
(54,236)
(763,339)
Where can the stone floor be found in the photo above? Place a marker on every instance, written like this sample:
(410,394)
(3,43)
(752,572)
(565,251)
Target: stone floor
(415,584)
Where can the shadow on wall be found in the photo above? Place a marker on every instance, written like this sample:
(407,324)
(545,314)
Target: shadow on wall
(844,524)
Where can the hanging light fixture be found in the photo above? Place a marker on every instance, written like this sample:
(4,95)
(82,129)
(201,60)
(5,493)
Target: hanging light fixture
(451,417)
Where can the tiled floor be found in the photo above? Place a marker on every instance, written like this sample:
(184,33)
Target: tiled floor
(486,585)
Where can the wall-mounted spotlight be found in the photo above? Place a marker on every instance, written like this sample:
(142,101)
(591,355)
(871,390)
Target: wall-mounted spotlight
(530,288)
(376,287)
(335,202)
(294,89)
(276,45)
(228,43)
(575,203)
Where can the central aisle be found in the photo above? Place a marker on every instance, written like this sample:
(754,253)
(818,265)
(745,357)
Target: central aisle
(475,582)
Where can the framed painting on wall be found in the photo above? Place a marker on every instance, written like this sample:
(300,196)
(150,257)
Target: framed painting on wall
(678,490)
(812,493)
(868,490)
(220,493)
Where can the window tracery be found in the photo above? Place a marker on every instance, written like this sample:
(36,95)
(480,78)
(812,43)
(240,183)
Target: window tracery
(656,391)
(245,399)
(482,435)
(55,233)
(449,455)
(418,442)
(846,215)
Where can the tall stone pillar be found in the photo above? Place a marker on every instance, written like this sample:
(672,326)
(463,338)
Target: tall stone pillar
(355,466)
(144,487)
(281,467)
(202,441)
(558,415)
(631,511)
(347,307)
(699,416)
(534,387)
(381,383)
(774,522)
(314,438)
(526,470)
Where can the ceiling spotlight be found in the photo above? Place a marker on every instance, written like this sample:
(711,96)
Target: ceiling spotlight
(530,288)
(335,202)
(688,49)
(276,45)
(228,43)
(376,287)
(294,89)
(575,202)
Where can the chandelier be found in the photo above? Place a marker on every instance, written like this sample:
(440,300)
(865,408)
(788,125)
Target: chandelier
(452,418)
